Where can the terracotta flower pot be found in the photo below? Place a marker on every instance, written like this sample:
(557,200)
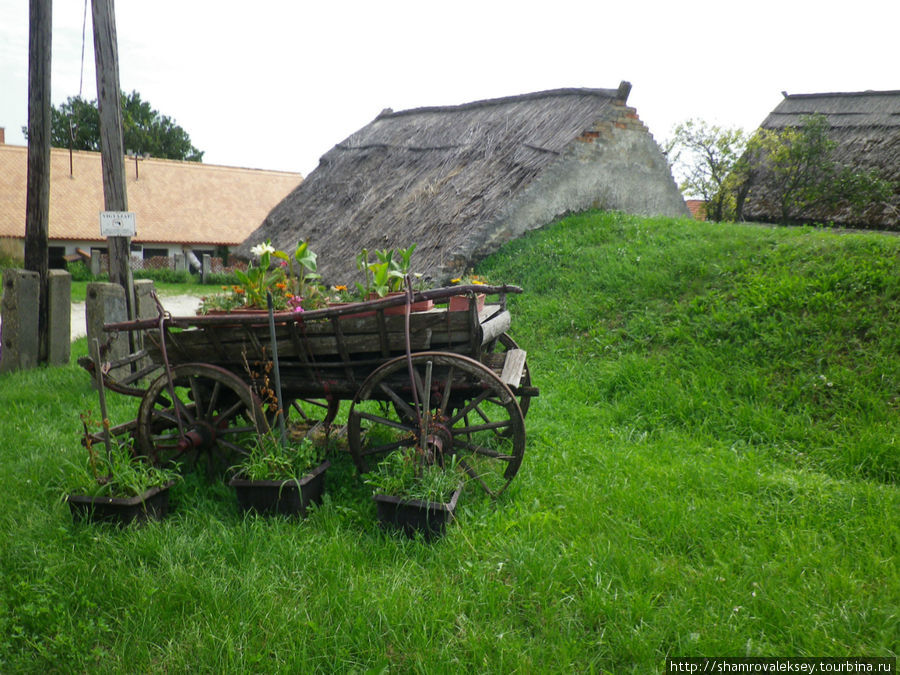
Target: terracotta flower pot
(460,303)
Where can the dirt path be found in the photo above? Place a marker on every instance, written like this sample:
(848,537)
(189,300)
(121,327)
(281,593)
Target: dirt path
(176,305)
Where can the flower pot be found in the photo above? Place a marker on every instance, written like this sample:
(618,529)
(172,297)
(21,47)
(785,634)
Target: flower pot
(282,497)
(460,303)
(420,306)
(412,515)
(355,315)
(150,505)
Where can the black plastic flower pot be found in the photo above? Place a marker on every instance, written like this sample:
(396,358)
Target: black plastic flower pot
(150,505)
(281,497)
(412,516)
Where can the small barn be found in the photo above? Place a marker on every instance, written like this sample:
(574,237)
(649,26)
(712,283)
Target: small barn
(459,181)
(866,128)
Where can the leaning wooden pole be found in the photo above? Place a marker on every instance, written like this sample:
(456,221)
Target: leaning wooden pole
(112,153)
(37,198)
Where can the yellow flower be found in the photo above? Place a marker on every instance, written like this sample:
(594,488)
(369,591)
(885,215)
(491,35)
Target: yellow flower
(455,281)
(340,287)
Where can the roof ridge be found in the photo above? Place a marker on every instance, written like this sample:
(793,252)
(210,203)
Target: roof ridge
(867,92)
(488,102)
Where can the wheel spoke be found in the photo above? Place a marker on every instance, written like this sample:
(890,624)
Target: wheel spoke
(233,431)
(196,394)
(387,447)
(213,399)
(385,421)
(481,450)
(226,415)
(184,411)
(473,474)
(233,447)
(488,426)
(399,402)
(448,386)
(471,406)
(166,414)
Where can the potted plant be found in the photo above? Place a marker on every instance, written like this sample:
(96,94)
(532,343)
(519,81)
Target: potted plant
(386,277)
(281,477)
(460,303)
(115,485)
(292,281)
(413,495)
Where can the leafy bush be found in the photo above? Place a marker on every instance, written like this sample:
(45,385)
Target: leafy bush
(80,271)
(221,279)
(166,276)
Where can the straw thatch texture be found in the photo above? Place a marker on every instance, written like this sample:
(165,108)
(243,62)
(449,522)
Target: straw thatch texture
(459,181)
(866,127)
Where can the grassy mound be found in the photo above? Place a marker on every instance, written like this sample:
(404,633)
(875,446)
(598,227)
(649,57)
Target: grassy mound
(711,470)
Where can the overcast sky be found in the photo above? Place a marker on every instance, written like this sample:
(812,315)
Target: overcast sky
(274,84)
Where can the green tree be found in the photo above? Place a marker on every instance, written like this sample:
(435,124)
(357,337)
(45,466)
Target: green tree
(797,167)
(703,155)
(146,131)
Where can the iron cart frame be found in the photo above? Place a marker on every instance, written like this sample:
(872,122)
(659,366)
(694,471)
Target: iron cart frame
(450,382)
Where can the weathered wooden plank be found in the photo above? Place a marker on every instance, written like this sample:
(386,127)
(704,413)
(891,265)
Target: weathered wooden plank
(513,367)
(230,344)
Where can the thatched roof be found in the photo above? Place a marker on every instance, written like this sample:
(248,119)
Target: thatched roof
(866,127)
(450,179)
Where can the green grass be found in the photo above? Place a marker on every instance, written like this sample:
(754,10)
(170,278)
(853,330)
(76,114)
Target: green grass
(79,289)
(711,469)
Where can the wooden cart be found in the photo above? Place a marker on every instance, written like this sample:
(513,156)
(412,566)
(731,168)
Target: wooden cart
(451,382)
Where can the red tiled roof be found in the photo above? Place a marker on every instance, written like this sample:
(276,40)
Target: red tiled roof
(173,201)
(697,207)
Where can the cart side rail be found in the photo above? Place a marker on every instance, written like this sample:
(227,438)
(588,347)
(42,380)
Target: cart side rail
(236,317)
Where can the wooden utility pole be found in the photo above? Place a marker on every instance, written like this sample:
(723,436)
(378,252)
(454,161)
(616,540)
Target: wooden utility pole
(37,199)
(112,153)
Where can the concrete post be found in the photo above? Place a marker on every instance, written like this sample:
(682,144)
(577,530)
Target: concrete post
(180,263)
(144,303)
(106,304)
(96,259)
(145,308)
(59,312)
(205,268)
(19,349)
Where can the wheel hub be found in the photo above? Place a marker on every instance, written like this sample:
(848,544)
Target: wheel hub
(198,437)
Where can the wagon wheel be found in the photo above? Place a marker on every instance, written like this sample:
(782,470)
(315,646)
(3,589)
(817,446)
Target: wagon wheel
(311,412)
(471,415)
(215,413)
(503,344)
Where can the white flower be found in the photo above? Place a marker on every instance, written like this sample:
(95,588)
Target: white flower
(260,249)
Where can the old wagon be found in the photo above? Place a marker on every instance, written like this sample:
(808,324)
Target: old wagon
(448,382)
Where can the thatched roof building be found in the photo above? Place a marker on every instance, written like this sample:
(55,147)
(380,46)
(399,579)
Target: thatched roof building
(460,181)
(866,127)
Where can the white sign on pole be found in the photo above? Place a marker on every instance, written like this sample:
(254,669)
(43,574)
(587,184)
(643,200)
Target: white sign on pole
(117,224)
